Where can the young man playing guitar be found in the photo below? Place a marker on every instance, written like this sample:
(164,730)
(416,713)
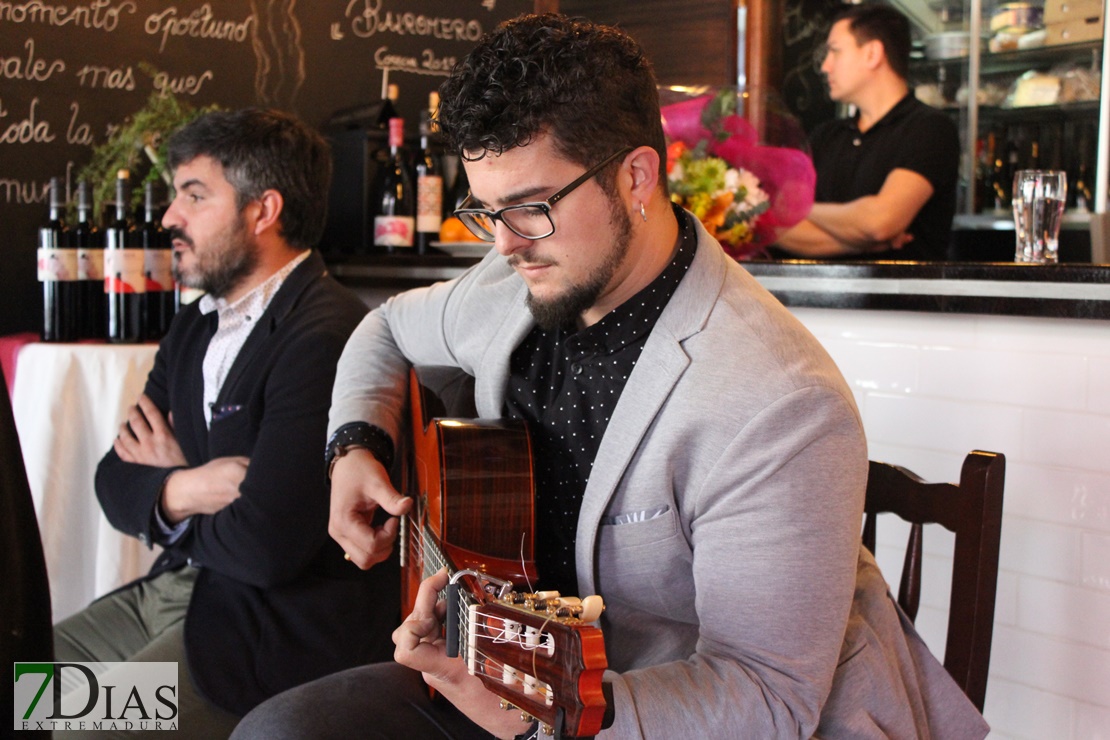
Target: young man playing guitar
(700,462)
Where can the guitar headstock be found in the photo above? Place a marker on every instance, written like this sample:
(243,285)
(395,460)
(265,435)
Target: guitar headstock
(541,654)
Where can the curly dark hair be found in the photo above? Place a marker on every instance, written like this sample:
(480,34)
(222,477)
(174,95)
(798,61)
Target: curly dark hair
(262,149)
(588,86)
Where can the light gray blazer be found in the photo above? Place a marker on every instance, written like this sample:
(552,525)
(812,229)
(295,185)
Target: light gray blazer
(739,601)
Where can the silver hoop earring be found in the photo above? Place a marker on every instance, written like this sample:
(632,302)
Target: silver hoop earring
(643,213)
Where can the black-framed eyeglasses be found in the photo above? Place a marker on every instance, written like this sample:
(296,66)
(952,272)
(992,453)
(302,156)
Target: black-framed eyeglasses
(528,220)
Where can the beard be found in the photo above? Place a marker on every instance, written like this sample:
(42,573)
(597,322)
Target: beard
(229,258)
(562,310)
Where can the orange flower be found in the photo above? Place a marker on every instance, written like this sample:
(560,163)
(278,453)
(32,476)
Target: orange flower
(674,151)
(715,216)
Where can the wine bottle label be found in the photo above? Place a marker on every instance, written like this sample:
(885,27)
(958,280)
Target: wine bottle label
(393,231)
(57,265)
(429,203)
(90,264)
(158,269)
(123,271)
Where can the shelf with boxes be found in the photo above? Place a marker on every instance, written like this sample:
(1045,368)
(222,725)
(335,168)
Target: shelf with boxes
(1029,94)
(1035,101)
(1071,21)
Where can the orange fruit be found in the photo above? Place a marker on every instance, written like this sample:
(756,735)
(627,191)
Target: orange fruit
(454,230)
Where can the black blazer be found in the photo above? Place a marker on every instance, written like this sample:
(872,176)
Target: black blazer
(275,604)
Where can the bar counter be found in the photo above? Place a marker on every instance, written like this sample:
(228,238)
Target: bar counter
(1078,291)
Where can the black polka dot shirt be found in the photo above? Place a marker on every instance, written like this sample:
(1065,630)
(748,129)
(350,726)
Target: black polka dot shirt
(565,384)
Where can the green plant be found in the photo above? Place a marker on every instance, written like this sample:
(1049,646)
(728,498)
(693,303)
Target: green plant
(139,146)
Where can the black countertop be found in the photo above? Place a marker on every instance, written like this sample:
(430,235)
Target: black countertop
(1057,291)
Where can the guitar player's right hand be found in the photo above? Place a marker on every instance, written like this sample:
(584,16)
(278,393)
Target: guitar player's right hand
(359,487)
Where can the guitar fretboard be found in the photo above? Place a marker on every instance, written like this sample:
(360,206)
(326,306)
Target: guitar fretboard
(433,561)
(431,556)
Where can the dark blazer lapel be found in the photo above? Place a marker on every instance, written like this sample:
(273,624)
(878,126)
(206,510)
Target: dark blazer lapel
(304,275)
(191,385)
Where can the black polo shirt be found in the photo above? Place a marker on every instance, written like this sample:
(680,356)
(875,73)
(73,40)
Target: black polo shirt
(911,136)
(565,384)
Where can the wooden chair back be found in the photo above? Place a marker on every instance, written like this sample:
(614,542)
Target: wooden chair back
(973,511)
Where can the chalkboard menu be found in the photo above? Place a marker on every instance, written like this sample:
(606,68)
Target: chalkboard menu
(805,26)
(71,70)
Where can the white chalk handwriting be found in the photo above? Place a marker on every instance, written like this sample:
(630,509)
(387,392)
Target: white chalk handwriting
(32,192)
(78,133)
(26,192)
(198,24)
(184,85)
(427,64)
(121,78)
(29,68)
(367,19)
(28,131)
(435,64)
(101,15)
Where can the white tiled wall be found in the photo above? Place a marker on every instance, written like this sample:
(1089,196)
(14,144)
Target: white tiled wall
(932,387)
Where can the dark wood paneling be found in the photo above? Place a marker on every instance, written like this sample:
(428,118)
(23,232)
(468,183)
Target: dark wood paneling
(690,43)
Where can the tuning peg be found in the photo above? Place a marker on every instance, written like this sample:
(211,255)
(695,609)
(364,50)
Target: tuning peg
(547,729)
(545,595)
(592,607)
(566,606)
(525,717)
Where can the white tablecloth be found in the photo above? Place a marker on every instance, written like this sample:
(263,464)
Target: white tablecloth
(68,401)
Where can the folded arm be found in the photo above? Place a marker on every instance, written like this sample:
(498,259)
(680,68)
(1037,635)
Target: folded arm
(147,438)
(278,522)
(872,223)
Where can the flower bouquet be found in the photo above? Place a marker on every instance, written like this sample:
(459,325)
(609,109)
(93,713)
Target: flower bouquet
(744,191)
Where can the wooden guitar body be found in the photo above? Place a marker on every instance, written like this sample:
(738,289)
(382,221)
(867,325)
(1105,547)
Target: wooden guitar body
(473,486)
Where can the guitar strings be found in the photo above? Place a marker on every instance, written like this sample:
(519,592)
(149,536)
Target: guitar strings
(535,654)
(524,569)
(419,546)
(489,661)
(498,637)
(418,551)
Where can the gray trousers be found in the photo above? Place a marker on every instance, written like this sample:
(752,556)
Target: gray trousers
(145,622)
(383,701)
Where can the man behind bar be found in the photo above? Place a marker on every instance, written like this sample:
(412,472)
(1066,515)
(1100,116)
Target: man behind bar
(886,177)
(699,460)
(219,461)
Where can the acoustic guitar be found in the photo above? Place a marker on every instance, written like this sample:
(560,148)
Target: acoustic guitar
(474,514)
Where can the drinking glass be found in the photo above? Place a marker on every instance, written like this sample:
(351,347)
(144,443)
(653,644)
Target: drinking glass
(1039,198)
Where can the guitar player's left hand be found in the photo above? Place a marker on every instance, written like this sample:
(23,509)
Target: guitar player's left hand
(421,646)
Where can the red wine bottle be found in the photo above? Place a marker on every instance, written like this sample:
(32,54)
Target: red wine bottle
(429,181)
(158,298)
(124,282)
(395,219)
(87,239)
(460,188)
(57,272)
